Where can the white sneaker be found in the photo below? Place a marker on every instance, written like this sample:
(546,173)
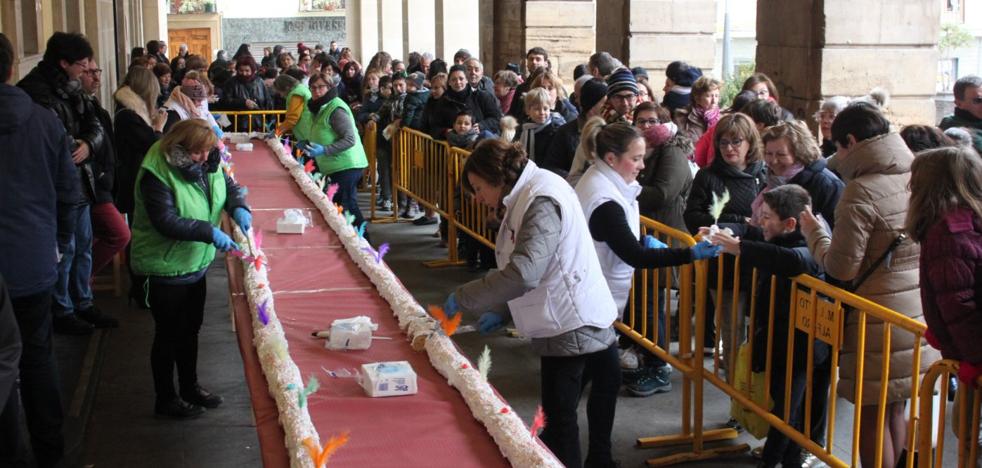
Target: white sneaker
(629,358)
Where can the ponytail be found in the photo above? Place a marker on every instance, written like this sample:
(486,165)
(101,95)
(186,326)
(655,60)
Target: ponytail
(588,138)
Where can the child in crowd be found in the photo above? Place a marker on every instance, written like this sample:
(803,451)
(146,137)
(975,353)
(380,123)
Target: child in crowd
(416,98)
(464,134)
(383,150)
(375,91)
(537,134)
(778,248)
(505,83)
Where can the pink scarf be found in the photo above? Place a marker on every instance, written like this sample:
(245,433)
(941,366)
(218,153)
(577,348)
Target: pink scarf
(710,116)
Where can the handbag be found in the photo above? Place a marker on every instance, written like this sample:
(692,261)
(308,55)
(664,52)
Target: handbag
(751,384)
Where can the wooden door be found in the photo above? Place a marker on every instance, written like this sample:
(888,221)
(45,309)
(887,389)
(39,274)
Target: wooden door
(197,39)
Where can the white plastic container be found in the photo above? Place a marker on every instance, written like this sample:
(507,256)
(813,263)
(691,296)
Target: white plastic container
(385,379)
(351,333)
(293,221)
(243,147)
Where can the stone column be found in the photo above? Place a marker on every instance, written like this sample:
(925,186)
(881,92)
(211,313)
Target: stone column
(362,29)
(654,33)
(830,49)
(390,27)
(566,29)
(155,20)
(100,30)
(419,26)
(22,23)
(457,27)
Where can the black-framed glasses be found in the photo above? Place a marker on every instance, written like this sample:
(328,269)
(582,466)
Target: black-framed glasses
(734,143)
(97,71)
(624,96)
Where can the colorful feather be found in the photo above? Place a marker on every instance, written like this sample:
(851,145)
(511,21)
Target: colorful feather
(279,349)
(262,313)
(484,362)
(332,190)
(312,386)
(257,239)
(539,422)
(258,263)
(382,250)
(321,183)
(320,456)
(719,202)
(308,167)
(339,207)
(361,230)
(449,325)
(349,218)
(244,190)
(237,253)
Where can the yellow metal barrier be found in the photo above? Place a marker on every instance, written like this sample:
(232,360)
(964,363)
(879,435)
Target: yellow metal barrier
(265,116)
(423,170)
(965,427)
(470,217)
(641,325)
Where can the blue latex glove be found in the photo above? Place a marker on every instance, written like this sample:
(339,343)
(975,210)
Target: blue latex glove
(314,150)
(243,218)
(218,131)
(450,307)
(222,241)
(490,322)
(704,250)
(651,242)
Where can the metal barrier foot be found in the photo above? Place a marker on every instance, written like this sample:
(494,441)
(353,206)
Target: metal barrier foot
(707,454)
(681,439)
(443,263)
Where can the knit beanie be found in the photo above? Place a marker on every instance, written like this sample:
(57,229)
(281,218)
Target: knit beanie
(194,90)
(591,93)
(621,80)
(639,72)
(682,74)
(417,78)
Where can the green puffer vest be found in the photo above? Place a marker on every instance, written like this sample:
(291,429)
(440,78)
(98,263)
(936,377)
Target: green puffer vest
(301,131)
(322,133)
(152,253)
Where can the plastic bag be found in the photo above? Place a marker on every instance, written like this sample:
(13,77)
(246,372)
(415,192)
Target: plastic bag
(753,385)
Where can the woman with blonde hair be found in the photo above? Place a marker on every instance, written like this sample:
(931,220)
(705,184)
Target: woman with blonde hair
(703,112)
(551,82)
(138,123)
(793,157)
(179,199)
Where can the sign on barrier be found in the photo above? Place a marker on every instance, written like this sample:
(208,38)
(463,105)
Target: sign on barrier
(828,318)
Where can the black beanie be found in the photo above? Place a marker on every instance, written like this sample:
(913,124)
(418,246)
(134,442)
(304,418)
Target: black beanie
(591,93)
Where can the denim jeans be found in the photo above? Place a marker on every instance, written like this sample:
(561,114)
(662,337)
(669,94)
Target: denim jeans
(347,195)
(39,389)
(563,379)
(72,290)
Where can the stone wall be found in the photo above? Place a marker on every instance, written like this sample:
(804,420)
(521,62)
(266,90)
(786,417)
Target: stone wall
(286,31)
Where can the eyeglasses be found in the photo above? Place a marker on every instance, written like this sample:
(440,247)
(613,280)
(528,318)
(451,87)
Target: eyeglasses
(97,71)
(624,96)
(734,143)
(640,122)
(319,86)
(977,100)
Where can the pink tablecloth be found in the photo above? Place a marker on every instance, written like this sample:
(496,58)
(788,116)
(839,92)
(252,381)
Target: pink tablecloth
(314,282)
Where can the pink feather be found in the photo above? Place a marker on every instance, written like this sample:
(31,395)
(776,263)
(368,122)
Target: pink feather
(331,190)
(539,422)
(258,238)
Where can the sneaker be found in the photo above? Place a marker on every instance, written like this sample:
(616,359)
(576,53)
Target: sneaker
(386,205)
(651,381)
(425,221)
(809,460)
(178,409)
(628,358)
(97,318)
(72,325)
(733,424)
(201,397)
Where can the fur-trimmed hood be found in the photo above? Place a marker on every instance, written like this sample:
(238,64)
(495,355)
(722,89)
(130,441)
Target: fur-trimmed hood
(126,98)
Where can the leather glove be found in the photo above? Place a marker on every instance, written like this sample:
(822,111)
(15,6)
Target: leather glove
(450,307)
(490,322)
(222,241)
(243,218)
(651,242)
(314,149)
(704,250)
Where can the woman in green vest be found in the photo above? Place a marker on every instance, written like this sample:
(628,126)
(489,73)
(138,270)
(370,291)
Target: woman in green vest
(179,198)
(297,117)
(334,142)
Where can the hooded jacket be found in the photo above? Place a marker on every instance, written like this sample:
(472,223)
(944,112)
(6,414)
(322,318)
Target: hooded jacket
(869,217)
(40,188)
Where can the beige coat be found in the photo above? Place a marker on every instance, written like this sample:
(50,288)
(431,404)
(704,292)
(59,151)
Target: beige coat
(870,215)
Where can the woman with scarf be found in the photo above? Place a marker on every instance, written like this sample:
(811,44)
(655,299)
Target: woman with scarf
(351,77)
(460,97)
(189,101)
(334,142)
(703,112)
(793,157)
(179,198)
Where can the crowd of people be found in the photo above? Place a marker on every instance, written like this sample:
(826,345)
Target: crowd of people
(566,173)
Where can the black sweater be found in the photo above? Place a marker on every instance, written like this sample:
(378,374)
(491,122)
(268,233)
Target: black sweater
(608,223)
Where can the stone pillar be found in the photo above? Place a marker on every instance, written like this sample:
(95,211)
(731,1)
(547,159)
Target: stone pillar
(419,26)
(154,20)
(457,27)
(829,50)
(390,27)
(22,23)
(508,39)
(566,29)
(100,30)
(362,29)
(654,33)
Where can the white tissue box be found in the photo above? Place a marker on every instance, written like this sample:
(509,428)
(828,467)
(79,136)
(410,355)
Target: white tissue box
(285,227)
(243,147)
(384,379)
(352,333)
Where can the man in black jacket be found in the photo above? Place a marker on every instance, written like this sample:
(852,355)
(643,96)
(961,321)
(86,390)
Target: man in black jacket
(247,91)
(40,190)
(55,84)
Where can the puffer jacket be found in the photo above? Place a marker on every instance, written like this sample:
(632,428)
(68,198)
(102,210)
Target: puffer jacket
(666,181)
(236,94)
(869,217)
(951,259)
(719,176)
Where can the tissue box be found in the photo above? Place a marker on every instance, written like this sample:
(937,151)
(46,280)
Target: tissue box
(384,379)
(353,333)
(243,147)
(285,227)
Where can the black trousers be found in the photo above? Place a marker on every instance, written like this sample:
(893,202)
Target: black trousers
(563,379)
(779,448)
(177,314)
(39,389)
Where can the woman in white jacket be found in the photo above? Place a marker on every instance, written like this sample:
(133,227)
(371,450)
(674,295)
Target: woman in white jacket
(551,284)
(608,193)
